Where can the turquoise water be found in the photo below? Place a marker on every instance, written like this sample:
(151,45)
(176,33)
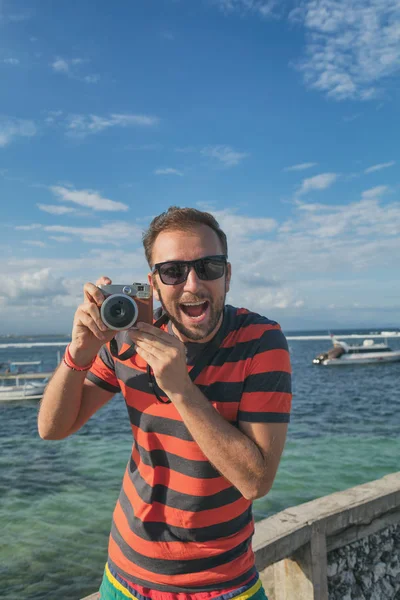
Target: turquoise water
(56,498)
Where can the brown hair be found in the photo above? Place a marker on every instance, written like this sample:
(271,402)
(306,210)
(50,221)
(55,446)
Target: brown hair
(176,218)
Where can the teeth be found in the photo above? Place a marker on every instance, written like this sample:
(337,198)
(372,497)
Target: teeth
(193,303)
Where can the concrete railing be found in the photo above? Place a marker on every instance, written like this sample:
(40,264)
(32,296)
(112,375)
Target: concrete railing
(320,550)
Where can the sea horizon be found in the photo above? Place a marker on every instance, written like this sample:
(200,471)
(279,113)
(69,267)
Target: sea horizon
(301,331)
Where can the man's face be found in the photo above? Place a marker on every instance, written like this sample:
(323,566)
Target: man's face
(201,322)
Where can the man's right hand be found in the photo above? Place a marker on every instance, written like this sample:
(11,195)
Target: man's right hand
(89,333)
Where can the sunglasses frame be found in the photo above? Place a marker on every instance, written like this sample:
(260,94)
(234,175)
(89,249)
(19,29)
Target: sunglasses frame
(222,258)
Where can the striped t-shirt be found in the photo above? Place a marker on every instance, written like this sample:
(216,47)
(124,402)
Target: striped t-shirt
(179,525)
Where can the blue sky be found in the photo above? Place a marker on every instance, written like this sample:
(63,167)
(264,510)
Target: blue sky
(280,118)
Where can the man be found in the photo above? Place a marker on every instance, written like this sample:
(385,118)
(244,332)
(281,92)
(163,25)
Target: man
(203,450)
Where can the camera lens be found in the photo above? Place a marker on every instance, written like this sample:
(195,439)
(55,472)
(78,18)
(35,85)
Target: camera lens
(119,312)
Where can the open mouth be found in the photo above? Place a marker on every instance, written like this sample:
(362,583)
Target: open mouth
(195,310)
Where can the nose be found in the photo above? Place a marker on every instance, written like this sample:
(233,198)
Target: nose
(192,283)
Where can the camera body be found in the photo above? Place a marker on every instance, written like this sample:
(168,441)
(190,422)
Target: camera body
(124,305)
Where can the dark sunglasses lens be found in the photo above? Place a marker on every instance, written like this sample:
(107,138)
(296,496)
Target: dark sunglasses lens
(210,269)
(173,273)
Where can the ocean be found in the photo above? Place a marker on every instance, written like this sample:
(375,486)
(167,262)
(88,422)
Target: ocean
(56,498)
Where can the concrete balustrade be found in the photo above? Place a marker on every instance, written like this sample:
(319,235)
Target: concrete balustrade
(295,549)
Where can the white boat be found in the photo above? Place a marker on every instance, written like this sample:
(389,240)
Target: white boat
(367,353)
(390,333)
(19,382)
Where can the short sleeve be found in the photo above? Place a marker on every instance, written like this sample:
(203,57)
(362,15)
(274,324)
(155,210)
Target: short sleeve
(102,372)
(267,394)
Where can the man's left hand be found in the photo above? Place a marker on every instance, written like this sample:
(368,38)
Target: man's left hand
(166,356)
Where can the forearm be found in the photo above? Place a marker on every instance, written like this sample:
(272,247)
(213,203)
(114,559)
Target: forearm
(61,403)
(230,451)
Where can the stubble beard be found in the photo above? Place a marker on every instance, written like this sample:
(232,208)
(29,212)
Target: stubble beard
(196,333)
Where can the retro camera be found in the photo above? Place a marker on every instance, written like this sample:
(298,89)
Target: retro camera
(126,304)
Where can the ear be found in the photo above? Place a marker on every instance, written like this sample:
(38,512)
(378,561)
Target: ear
(228,277)
(150,279)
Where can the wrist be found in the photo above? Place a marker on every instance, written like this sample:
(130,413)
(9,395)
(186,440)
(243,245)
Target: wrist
(81,357)
(185,395)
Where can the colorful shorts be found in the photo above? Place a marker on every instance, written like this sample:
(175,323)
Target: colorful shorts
(112,589)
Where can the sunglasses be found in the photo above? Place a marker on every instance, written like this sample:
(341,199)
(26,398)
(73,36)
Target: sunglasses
(174,272)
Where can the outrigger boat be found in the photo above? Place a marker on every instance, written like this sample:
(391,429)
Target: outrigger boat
(366,353)
(18,384)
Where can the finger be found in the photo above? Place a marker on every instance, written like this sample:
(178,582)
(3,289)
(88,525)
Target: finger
(146,328)
(147,356)
(157,341)
(93,294)
(149,347)
(103,280)
(160,354)
(88,322)
(93,310)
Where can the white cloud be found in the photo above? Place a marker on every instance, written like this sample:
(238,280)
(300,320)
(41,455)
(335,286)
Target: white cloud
(94,78)
(323,255)
(53,116)
(264,301)
(352,46)
(48,290)
(131,261)
(315,207)
(186,149)
(375,192)
(12,17)
(109,232)
(60,238)
(32,284)
(82,125)
(265,8)
(28,227)
(359,225)
(36,243)
(380,166)
(319,182)
(301,166)
(224,154)
(168,171)
(54,209)
(87,198)
(72,68)
(11,128)
(61,66)
(11,61)
(239,226)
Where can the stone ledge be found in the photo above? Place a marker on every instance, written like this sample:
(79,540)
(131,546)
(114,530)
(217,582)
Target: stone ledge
(280,535)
